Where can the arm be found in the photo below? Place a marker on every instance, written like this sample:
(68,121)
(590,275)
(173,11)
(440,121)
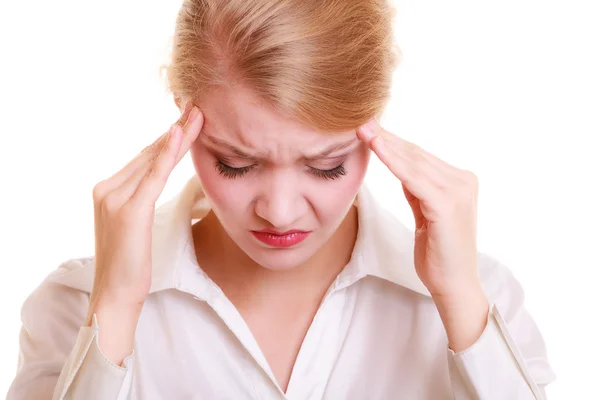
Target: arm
(59,357)
(506,359)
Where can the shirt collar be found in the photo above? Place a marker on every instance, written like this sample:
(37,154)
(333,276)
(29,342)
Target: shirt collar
(384,246)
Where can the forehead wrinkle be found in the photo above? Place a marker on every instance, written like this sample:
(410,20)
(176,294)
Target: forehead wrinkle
(247,144)
(331,149)
(235,150)
(212,134)
(247,149)
(232,125)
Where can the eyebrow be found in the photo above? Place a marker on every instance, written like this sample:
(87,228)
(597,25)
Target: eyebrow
(263,156)
(333,148)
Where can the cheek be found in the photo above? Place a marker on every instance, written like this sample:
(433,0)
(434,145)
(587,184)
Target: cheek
(332,199)
(361,164)
(356,169)
(329,199)
(225,196)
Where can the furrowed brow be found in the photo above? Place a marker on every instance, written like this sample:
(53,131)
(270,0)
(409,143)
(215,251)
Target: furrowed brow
(333,148)
(235,150)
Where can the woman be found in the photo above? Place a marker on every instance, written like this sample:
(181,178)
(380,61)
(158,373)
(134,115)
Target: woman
(274,273)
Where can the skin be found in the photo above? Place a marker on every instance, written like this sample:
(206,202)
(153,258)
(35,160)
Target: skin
(283,189)
(278,291)
(443,199)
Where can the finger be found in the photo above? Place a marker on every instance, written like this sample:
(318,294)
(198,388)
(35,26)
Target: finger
(129,187)
(377,144)
(415,206)
(368,131)
(406,172)
(155,178)
(421,188)
(415,152)
(191,130)
(139,161)
(127,179)
(404,159)
(185,115)
(409,153)
(406,155)
(151,150)
(153,182)
(121,176)
(445,168)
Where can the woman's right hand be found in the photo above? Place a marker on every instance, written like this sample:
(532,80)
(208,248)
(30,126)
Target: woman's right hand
(124,207)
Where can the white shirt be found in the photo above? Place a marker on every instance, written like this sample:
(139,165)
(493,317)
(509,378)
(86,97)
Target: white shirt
(376,335)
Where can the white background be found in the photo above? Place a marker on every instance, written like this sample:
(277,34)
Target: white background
(509,90)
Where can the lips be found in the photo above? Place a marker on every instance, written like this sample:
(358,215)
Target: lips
(280,239)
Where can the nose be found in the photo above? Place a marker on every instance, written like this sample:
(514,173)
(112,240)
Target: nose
(280,201)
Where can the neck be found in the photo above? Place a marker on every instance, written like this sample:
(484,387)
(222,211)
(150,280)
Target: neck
(242,278)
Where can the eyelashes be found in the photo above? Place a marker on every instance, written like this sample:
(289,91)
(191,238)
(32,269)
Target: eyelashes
(329,174)
(233,173)
(230,172)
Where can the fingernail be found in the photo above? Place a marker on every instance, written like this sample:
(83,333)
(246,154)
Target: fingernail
(368,130)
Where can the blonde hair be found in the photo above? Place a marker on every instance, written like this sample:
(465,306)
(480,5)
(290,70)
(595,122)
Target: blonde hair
(325,63)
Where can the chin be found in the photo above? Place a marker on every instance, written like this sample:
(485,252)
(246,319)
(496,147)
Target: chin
(279,259)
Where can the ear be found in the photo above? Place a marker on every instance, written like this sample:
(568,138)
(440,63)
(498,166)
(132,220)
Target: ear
(178,103)
(183,104)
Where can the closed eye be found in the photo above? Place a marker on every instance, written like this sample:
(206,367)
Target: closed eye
(330,174)
(232,173)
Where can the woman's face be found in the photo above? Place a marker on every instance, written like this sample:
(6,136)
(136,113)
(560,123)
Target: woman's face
(261,171)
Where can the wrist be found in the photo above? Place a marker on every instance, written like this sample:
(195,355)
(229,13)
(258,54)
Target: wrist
(116,328)
(457,291)
(464,315)
(454,287)
(113,308)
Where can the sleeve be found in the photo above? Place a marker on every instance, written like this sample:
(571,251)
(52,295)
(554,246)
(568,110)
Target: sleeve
(509,360)
(58,357)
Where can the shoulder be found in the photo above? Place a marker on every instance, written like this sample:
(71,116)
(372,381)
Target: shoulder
(62,298)
(494,275)
(501,286)
(75,273)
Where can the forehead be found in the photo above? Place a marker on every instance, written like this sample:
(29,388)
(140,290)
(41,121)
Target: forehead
(237,116)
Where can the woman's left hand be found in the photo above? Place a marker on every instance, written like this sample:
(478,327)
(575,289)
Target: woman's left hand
(443,199)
